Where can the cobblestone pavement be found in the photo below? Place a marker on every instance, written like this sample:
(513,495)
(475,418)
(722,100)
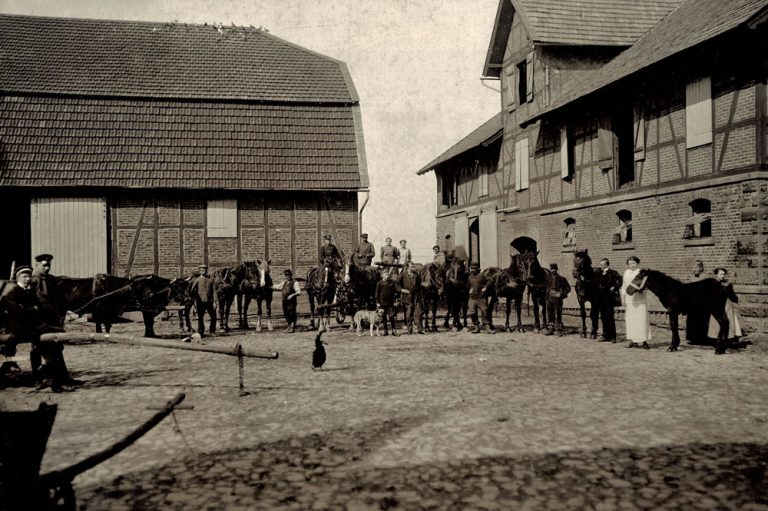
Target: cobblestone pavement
(441,421)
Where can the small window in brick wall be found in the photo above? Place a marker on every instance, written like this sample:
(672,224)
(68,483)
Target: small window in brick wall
(569,236)
(700,223)
(623,233)
(222,218)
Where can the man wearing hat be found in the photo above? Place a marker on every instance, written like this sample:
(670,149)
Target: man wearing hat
(557,290)
(290,290)
(26,323)
(364,251)
(201,291)
(44,285)
(478,305)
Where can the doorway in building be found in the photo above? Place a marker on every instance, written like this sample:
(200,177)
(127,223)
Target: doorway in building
(474,240)
(14,207)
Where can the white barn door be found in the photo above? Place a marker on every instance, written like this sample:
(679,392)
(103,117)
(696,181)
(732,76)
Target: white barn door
(74,231)
(488,239)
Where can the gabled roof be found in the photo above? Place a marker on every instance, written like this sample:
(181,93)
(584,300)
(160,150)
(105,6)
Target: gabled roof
(136,143)
(693,23)
(163,60)
(575,23)
(483,135)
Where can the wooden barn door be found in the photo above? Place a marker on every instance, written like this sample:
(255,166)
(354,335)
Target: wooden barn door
(461,232)
(488,239)
(74,231)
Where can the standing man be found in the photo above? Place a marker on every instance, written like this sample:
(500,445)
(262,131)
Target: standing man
(410,303)
(385,300)
(478,306)
(364,251)
(44,285)
(290,290)
(404,254)
(439,257)
(556,293)
(389,254)
(695,322)
(609,283)
(201,291)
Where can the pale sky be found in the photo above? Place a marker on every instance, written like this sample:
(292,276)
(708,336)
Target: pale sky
(416,65)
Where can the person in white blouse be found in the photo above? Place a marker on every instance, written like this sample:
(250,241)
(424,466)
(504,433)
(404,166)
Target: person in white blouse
(289,290)
(635,308)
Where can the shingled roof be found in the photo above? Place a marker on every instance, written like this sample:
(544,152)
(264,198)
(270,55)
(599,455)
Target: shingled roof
(487,132)
(151,105)
(693,23)
(575,23)
(163,60)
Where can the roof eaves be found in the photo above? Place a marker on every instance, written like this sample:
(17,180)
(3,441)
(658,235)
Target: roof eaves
(450,152)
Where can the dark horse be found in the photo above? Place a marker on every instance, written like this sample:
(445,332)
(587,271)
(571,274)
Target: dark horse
(180,293)
(506,283)
(357,287)
(706,297)
(588,290)
(260,289)
(322,283)
(431,278)
(231,283)
(455,292)
(537,279)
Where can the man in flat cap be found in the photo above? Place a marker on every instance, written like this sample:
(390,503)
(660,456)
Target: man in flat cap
(201,291)
(557,290)
(364,251)
(26,323)
(44,285)
(329,256)
(477,302)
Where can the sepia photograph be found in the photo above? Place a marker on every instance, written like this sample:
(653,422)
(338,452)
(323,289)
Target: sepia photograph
(384,255)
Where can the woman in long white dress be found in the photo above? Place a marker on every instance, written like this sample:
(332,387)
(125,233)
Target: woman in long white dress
(635,308)
(734,327)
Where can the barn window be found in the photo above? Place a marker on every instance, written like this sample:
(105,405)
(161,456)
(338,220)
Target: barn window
(510,88)
(623,233)
(569,235)
(521,164)
(222,218)
(700,223)
(566,153)
(698,112)
(525,79)
(450,190)
(483,181)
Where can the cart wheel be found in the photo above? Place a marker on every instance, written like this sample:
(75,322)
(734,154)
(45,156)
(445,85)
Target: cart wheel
(62,497)
(340,317)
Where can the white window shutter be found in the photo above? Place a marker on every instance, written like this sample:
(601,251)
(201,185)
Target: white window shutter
(698,112)
(222,218)
(524,163)
(565,170)
(529,77)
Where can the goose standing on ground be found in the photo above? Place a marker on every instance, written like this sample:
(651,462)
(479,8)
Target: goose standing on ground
(318,356)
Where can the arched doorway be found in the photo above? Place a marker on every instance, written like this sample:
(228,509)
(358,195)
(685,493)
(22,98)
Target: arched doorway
(524,244)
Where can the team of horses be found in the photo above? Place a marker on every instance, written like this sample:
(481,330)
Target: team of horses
(343,287)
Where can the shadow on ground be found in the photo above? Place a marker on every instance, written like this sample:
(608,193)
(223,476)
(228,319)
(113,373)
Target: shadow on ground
(329,471)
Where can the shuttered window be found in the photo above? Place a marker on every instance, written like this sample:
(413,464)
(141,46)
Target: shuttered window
(510,88)
(521,164)
(566,154)
(698,112)
(222,218)
(525,79)
(639,133)
(605,143)
(483,181)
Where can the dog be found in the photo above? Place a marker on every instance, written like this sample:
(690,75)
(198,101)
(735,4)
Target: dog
(373,318)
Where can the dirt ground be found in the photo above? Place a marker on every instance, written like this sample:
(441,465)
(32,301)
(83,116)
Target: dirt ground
(439,421)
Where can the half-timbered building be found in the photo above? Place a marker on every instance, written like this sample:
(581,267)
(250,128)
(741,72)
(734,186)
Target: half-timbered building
(635,128)
(134,147)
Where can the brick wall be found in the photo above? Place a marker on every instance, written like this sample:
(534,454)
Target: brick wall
(172,239)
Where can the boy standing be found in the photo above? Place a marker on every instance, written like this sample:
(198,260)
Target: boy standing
(556,292)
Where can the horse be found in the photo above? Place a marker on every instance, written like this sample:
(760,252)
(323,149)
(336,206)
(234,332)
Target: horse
(180,293)
(322,283)
(357,287)
(706,296)
(538,280)
(587,290)
(431,283)
(231,283)
(510,284)
(456,292)
(261,291)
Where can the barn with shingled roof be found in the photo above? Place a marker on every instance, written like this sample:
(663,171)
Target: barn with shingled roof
(135,147)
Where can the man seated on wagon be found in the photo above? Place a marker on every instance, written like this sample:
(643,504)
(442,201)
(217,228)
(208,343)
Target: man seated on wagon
(24,322)
(329,256)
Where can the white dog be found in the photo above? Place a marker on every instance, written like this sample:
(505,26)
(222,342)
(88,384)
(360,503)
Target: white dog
(373,318)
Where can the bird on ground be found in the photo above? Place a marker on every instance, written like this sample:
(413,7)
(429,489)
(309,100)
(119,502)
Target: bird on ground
(318,356)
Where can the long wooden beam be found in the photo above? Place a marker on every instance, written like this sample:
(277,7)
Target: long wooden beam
(234,351)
